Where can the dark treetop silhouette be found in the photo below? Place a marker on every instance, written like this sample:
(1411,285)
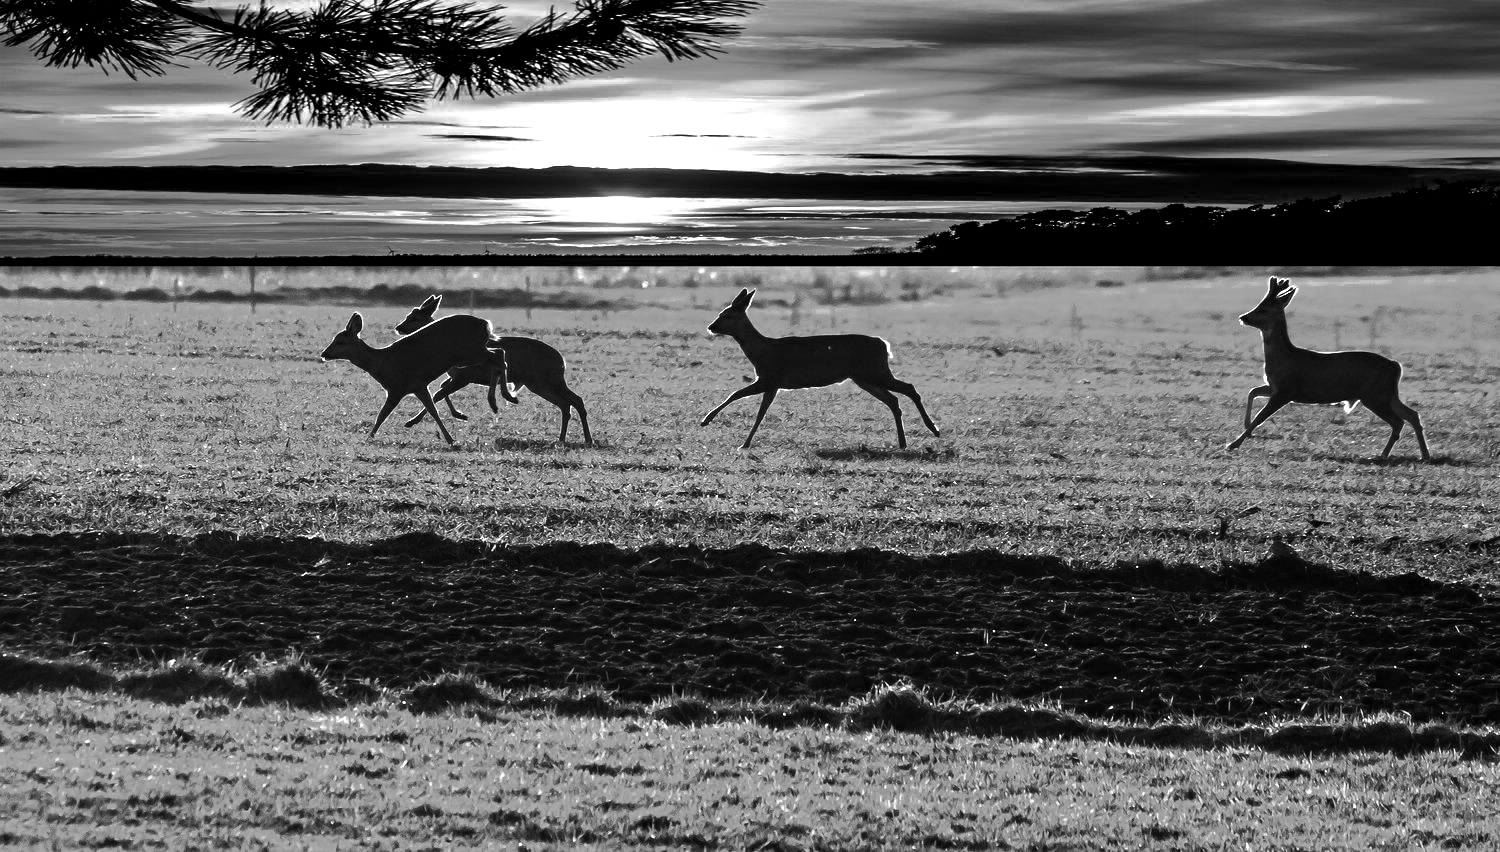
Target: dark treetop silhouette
(1447,223)
(352,61)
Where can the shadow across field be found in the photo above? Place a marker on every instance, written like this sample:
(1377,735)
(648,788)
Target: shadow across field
(1140,642)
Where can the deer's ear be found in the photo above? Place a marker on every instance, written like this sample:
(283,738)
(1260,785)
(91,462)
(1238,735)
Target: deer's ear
(356,323)
(749,295)
(1286,295)
(1274,284)
(742,300)
(431,305)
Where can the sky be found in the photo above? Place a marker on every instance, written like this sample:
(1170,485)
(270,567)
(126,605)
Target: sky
(904,85)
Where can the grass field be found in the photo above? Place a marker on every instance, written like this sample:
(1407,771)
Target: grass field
(1084,422)
(1080,422)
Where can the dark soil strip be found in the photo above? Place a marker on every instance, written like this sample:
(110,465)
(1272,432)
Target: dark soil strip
(1141,642)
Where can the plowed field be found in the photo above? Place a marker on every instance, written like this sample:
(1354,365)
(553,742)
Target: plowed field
(1243,642)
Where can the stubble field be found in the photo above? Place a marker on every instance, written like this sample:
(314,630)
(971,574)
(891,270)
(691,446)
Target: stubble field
(195,482)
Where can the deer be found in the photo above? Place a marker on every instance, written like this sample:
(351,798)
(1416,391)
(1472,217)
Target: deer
(786,363)
(1347,378)
(411,363)
(529,363)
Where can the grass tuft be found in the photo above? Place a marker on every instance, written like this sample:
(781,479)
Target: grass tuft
(899,707)
(180,681)
(684,710)
(290,682)
(447,692)
(581,701)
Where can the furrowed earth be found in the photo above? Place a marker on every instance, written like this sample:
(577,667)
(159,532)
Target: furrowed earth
(1273,639)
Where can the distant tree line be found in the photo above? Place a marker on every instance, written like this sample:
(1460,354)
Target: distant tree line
(395,295)
(1445,223)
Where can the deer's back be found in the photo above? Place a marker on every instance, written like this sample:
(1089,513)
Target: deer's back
(1330,377)
(825,359)
(437,347)
(527,360)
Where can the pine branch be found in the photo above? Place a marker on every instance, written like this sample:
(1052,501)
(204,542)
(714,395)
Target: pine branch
(368,60)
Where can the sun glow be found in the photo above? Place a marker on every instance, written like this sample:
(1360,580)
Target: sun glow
(624,132)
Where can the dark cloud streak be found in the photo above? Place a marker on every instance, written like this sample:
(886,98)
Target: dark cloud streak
(478,137)
(1160,49)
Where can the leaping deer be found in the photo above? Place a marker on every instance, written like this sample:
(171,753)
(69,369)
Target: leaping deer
(410,364)
(529,363)
(1322,378)
(783,363)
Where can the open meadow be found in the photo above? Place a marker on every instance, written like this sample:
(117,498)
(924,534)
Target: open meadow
(189,481)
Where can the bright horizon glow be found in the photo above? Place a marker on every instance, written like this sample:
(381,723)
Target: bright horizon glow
(619,210)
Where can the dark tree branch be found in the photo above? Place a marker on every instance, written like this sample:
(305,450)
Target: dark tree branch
(368,60)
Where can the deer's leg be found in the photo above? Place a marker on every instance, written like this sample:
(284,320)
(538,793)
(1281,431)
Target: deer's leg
(1382,409)
(889,399)
(911,392)
(496,378)
(1273,405)
(507,392)
(755,387)
(1396,413)
(765,402)
(427,403)
(1263,390)
(564,398)
(445,393)
(391,398)
(583,417)
(1409,414)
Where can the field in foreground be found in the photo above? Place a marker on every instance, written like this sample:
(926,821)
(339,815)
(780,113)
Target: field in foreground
(1077,537)
(91,772)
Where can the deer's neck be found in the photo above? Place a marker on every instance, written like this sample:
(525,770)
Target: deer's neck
(756,346)
(369,359)
(1277,343)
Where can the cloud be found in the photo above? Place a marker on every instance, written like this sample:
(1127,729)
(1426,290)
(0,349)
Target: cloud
(1382,137)
(1278,106)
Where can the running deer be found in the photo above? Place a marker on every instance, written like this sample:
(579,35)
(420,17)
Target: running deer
(784,363)
(410,364)
(529,363)
(1322,378)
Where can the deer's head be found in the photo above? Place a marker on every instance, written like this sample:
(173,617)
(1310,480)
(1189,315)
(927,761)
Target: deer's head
(733,318)
(1279,291)
(419,316)
(347,341)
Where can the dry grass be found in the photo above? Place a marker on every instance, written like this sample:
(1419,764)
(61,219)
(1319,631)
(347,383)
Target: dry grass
(91,771)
